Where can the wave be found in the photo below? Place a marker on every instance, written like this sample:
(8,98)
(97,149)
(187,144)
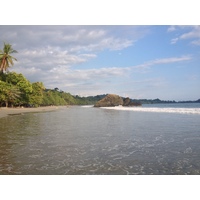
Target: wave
(87,106)
(159,110)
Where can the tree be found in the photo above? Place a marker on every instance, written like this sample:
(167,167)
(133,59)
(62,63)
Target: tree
(36,97)
(12,95)
(6,60)
(3,91)
(9,94)
(23,84)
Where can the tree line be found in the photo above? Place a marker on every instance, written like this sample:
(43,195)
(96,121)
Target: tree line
(16,90)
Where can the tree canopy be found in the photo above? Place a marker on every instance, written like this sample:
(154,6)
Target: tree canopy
(16,90)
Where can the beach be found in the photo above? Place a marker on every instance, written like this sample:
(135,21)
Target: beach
(4,112)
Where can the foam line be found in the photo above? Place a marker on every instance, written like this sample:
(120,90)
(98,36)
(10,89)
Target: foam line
(159,110)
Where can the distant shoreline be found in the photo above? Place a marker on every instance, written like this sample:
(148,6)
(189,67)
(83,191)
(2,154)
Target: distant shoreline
(4,112)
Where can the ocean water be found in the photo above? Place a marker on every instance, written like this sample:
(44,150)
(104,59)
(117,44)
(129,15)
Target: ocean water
(161,139)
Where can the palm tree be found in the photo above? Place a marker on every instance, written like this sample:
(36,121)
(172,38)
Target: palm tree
(6,60)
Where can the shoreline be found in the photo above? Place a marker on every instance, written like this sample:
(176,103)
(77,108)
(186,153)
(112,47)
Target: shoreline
(4,112)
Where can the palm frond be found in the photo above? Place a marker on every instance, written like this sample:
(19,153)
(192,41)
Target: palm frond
(9,60)
(13,51)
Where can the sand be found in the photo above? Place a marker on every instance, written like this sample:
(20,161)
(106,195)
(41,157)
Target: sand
(4,112)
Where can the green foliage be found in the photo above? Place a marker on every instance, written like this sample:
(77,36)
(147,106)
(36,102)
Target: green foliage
(69,99)
(53,97)
(3,91)
(16,90)
(23,84)
(9,94)
(36,97)
(56,97)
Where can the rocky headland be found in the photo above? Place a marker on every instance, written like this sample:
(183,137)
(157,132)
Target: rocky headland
(112,100)
(109,101)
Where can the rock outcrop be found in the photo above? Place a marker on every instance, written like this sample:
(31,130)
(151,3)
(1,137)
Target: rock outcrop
(110,100)
(127,102)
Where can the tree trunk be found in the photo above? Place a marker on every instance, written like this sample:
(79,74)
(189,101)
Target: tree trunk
(2,66)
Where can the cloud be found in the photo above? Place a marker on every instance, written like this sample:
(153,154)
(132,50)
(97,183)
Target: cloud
(171,29)
(69,38)
(196,42)
(45,60)
(48,47)
(170,60)
(191,33)
(49,53)
(110,72)
(102,80)
(151,63)
(149,87)
(173,41)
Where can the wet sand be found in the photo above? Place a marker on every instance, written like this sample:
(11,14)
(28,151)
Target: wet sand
(4,112)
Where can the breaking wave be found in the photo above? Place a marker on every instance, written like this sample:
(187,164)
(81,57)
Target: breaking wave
(159,110)
(87,106)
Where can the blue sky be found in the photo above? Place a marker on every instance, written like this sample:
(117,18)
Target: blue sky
(135,61)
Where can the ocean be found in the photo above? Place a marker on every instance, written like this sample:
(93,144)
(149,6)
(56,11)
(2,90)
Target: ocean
(156,139)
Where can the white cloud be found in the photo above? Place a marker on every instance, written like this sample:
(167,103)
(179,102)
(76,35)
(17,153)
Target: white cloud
(171,60)
(48,47)
(110,73)
(194,33)
(191,33)
(173,41)
(196,42)
(49,58)
(171,28)
(102,80)
(71,38)
(148,64)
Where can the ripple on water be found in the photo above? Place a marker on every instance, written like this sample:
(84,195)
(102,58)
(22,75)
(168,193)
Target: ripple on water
(74,142)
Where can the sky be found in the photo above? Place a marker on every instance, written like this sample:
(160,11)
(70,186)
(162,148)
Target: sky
(136,61)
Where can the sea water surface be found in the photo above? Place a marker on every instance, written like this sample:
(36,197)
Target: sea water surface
(153,139)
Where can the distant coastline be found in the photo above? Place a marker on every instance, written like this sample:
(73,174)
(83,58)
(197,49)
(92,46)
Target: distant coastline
(96,98)
(156,101)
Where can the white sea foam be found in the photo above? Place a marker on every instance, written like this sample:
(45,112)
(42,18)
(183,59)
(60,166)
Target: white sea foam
(87,106)
(159,110)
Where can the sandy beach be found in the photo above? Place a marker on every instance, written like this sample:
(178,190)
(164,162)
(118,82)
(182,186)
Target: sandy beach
(14,111)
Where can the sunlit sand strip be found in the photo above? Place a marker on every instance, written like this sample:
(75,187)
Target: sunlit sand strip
(15,111)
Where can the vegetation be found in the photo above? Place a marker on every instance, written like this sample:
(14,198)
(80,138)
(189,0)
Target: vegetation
(6,60)
(16,90)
